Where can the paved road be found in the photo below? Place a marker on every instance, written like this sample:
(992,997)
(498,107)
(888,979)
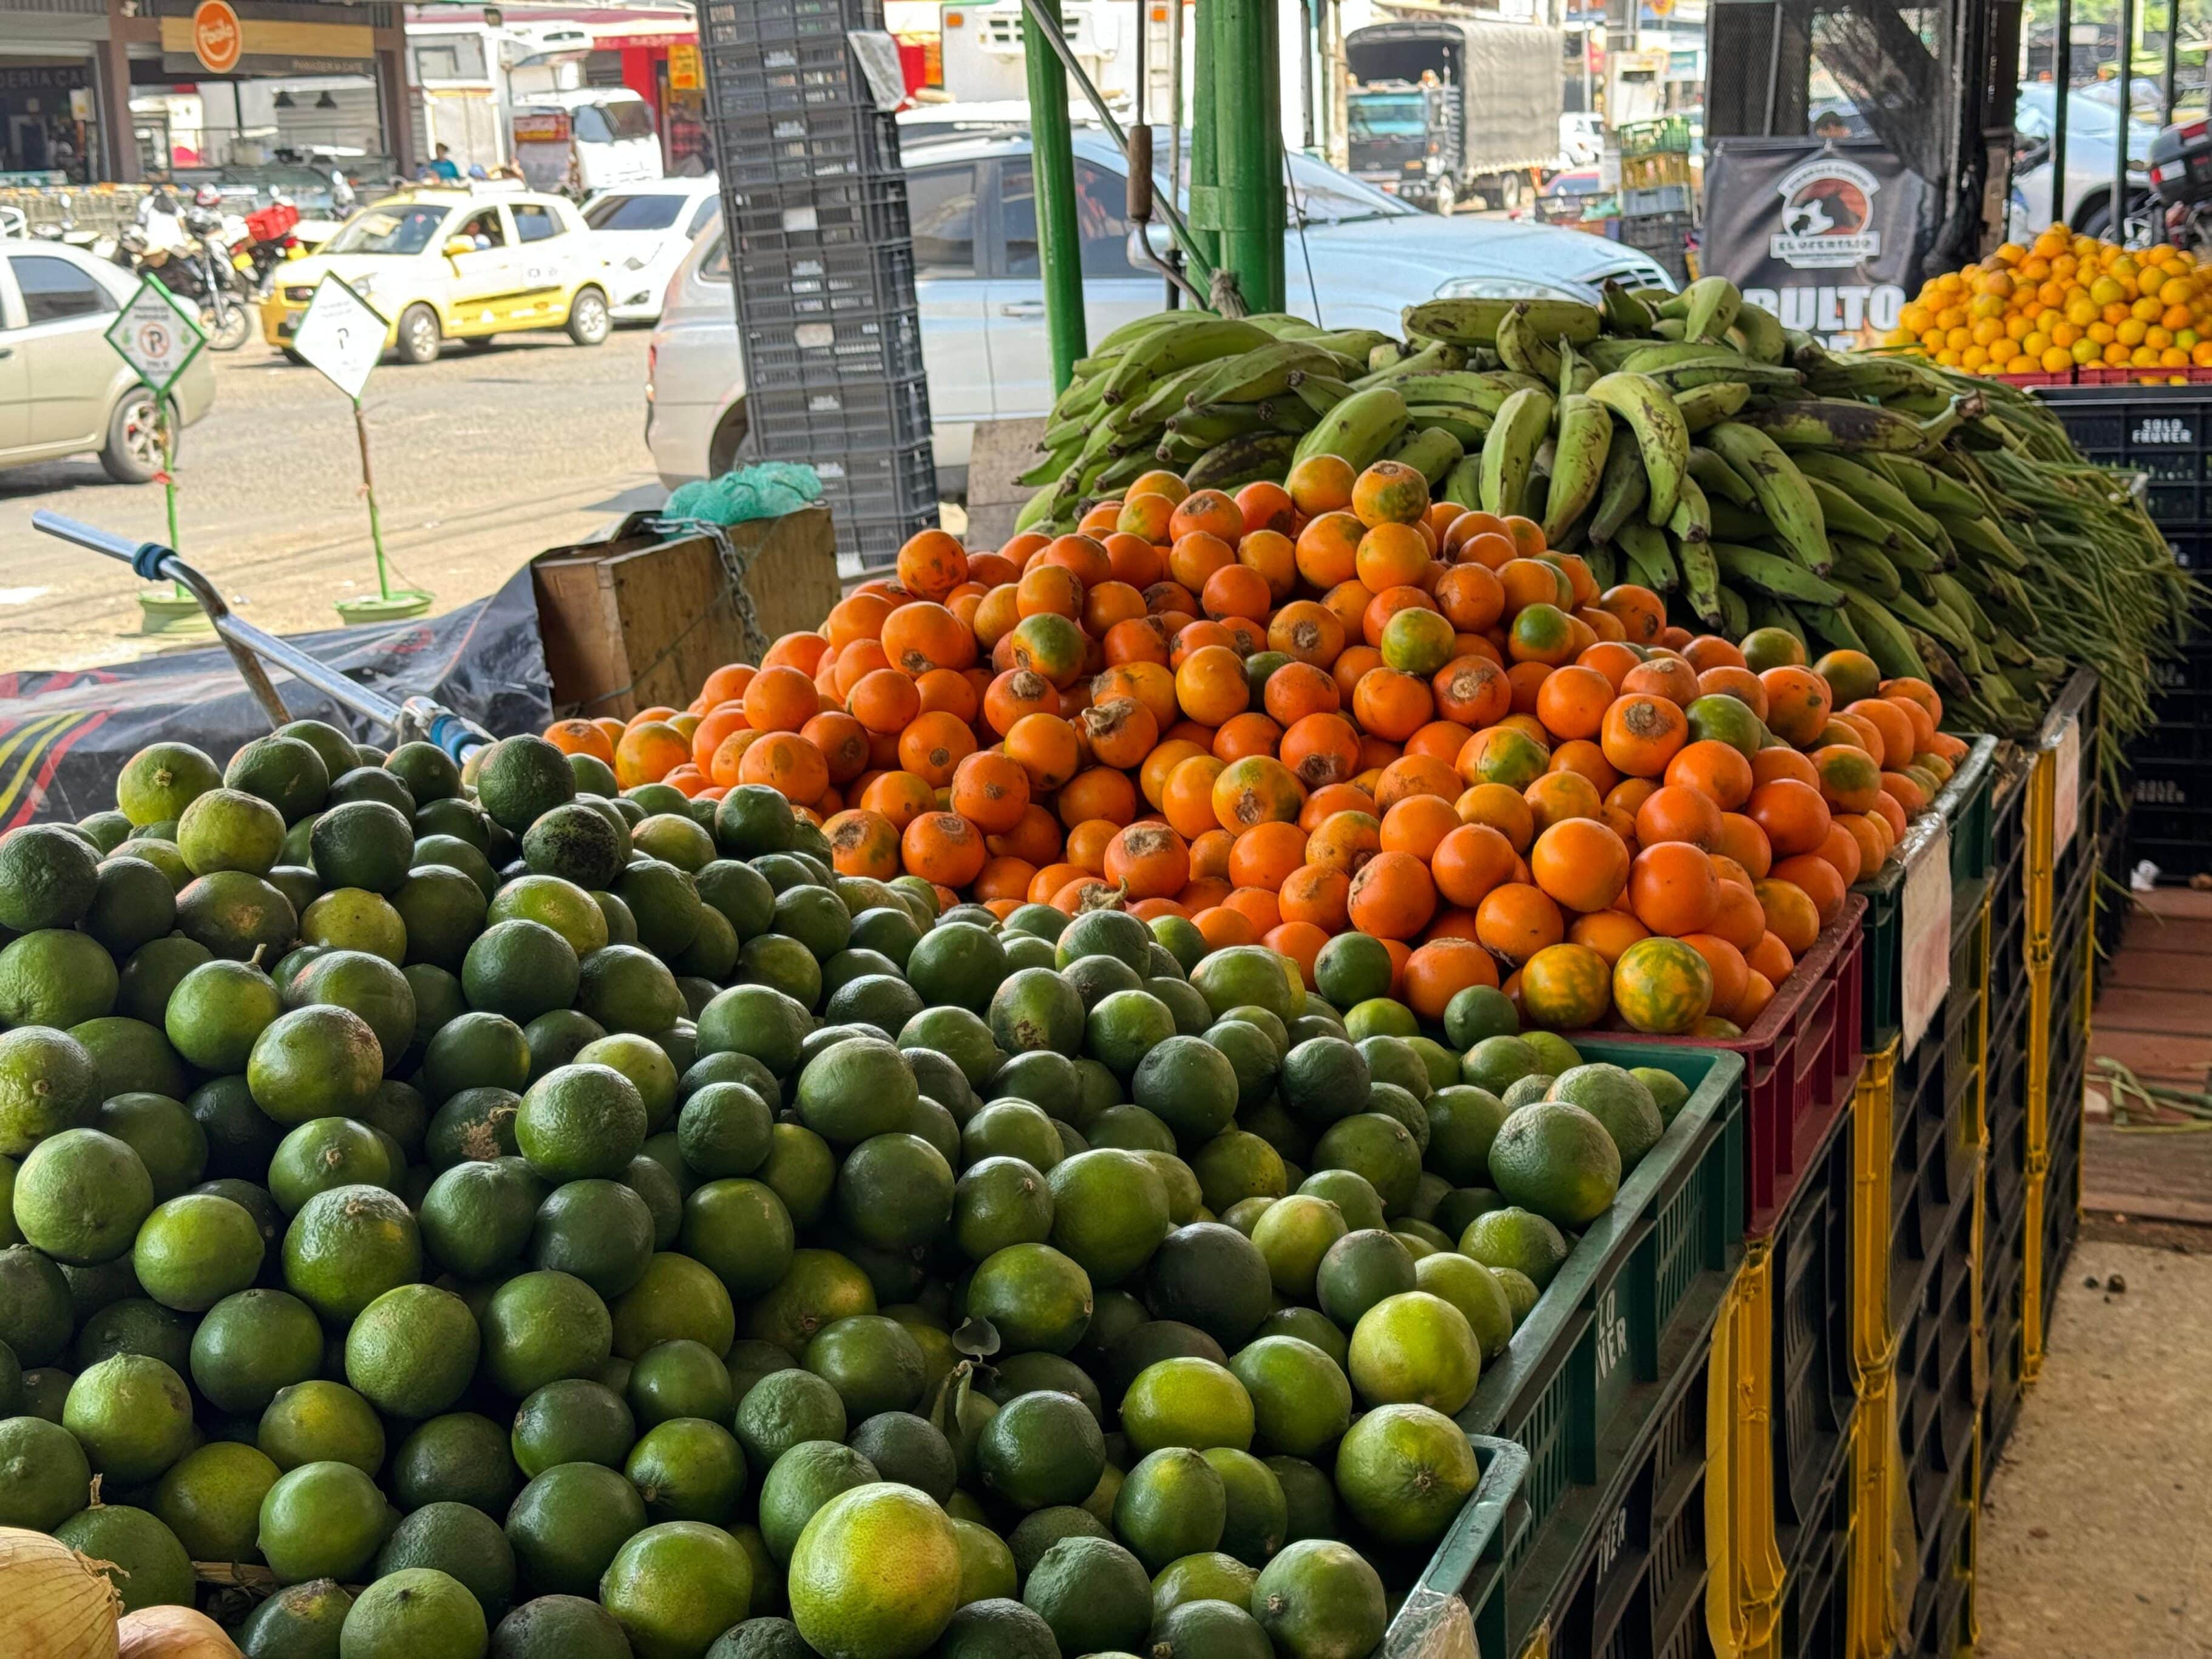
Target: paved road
(482,459)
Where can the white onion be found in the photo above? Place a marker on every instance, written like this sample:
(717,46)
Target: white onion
(53,1605)
(174,1632)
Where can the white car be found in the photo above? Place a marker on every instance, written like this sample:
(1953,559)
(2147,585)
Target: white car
(63,390)
(1358,259)
(643,232)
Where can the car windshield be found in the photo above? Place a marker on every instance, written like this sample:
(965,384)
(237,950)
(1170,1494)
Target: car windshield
(389,227)
(1324,195)
(603,124)
(1387,115)
(633,212)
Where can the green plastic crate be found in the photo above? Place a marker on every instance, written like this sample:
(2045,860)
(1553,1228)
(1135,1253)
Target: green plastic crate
(1966,806)
(1588,1379)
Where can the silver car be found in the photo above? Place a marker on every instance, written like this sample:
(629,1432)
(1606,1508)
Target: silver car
(1357,259)
(2092,132)
(63,390)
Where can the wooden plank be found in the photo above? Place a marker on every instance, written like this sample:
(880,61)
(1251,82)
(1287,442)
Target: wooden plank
(2178,933)
(2182,902)
(2137,1008)
(584,653)
(677,624)
(2137,968)
(1001,452)
(2158,1056)
(793,576)
(2166,1177)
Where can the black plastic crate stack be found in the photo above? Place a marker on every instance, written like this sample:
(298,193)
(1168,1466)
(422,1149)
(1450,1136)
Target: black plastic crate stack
(2165,434)
(821,251)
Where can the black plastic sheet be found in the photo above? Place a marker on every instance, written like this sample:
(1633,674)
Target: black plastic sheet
(65,735)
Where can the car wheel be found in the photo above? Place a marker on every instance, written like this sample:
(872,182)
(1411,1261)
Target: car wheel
(133,451)
(418,334)
(1508,191)
(589,320)
(1446,199)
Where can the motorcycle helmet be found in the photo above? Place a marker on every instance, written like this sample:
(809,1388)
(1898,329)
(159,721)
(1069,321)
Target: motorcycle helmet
(207,196)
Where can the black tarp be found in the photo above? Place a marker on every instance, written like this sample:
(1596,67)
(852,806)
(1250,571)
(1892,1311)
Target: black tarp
(64,735)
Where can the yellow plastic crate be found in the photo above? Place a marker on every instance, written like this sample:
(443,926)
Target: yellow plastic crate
(1873,1339)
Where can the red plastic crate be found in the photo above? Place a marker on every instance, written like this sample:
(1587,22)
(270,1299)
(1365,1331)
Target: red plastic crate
(2106,374)
(1801,1061)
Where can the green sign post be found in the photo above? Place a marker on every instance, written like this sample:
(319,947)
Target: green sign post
(158,336)
(342,336)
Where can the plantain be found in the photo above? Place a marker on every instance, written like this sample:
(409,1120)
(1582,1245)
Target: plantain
(1165,351)
(1711,403)
(1761,329)
(1839,511)
(1871,487)
(1524,350)
(1475,322)
(1834,423)
(1692,520)
(1784,494)
(1735,615)
(1719,478)
(1625,311)
(1432,452)
(1358,427)
(1732,523)
(1886,640)
(1701,577)
(1598,556)
(1621,492)
(1661,437)
(1865,565)
(1769,573)
(1242,461)
(1576,371)
(1463,484)
(1713,304)
(1650,561)
(1579,455)
(1508,449)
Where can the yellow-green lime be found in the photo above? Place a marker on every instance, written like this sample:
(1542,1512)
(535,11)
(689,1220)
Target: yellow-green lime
(1404,1471)
(876,1572)
(676,1586)
(1186,1402)
(1415,1348)
(1517,1239)
(1475,1290)
(1301,1399)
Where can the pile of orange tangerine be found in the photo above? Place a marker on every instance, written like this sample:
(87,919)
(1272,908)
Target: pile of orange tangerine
(2066,302)
(1324,705)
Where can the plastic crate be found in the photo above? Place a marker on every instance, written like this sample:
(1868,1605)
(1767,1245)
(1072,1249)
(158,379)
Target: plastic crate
(1942,1625)
(1641,1590)
(771,22)
(2005,1109)
(2163,432)
(1801,1063)
(881,485)
(1937,1133)
(774,227)
(825,285)
(1589,1378)
(1816,1579)
(799,74)
(1938,1375)
(2003,1279)
(1814,1388)
(886,346)
(1467,1570)
(803,147)
(1965,808)
(846,420)
(2169,785)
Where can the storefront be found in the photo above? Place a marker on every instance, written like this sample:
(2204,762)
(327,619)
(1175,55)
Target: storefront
(51,126)
(238,88)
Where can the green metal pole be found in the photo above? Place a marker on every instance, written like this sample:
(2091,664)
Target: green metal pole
(1205,209)
(167,435)
(1052,180)
(1249,136)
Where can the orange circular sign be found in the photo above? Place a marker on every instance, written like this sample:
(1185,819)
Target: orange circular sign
(217,41)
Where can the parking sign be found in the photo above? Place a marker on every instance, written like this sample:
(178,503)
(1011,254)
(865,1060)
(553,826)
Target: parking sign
(157,335)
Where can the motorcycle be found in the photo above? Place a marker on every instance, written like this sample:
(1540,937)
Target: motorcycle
(189,253)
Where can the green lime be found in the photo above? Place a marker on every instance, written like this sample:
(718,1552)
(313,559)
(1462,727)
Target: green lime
(1559,1161)
(569,1523)
(1300,1400)
(878,1571)
(211,1499)
(676,1586)
(413,1613)
(132,1415)
(1415,1348)
(1518,1239)
(1404,1471)
(140,1556)
(80,1195)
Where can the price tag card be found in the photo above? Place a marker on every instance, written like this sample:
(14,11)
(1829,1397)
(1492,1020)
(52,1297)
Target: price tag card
(343,335)
(2066,792)
(1925,922)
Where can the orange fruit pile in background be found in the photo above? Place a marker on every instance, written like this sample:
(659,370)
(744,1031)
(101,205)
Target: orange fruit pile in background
(2063,302)
(1324,705)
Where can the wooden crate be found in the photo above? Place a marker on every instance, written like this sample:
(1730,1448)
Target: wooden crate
(637,620)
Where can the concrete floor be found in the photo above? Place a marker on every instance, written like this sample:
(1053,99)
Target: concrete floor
(2095,1541)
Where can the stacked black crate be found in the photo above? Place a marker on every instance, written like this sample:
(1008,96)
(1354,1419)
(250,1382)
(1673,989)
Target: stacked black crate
(814,204)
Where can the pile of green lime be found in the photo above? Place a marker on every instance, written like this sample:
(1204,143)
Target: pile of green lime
(585,1223)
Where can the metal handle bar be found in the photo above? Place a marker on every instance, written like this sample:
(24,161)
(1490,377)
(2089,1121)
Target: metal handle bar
(415,719)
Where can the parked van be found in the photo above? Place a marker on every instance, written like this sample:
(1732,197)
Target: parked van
(584,141)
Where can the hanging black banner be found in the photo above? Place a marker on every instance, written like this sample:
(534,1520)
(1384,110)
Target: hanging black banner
(1828,235)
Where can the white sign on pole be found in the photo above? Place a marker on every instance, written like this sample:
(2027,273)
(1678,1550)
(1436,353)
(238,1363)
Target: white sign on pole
(2066,787)
(157,335)
(343,335)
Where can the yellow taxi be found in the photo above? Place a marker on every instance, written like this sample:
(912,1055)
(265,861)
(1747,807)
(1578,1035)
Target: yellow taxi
(455,264)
